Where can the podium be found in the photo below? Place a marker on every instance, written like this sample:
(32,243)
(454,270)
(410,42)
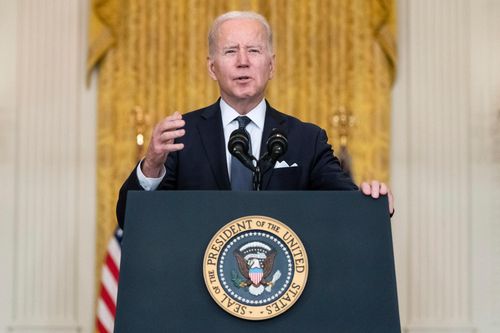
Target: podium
(351,285)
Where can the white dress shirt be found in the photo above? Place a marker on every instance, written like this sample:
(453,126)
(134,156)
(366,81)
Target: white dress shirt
(229,123)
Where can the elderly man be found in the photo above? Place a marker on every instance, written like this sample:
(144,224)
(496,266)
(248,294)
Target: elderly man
(189,152)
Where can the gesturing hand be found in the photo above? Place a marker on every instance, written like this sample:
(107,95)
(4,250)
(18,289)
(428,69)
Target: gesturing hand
(162,143)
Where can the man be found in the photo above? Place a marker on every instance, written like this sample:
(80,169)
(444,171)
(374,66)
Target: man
(190,152)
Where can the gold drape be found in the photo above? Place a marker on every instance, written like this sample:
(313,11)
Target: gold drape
(331,54)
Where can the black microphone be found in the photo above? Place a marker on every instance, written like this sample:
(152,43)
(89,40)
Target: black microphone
(238,145)
(277,144)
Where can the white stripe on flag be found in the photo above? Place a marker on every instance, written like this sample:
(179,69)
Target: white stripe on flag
(109,283)
(115,251)
(105,317)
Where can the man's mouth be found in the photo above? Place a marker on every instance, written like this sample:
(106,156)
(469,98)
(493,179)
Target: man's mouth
(242,78)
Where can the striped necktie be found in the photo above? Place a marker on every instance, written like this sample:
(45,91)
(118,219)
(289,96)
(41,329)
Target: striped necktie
(241,176)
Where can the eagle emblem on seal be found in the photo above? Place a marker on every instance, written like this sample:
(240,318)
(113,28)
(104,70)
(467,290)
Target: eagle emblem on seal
(255,263)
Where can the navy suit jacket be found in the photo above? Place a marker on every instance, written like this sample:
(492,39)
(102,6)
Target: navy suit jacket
(202,165)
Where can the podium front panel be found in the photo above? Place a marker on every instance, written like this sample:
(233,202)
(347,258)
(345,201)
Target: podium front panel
(351,285)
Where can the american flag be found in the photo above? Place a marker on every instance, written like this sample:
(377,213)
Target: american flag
(106,304)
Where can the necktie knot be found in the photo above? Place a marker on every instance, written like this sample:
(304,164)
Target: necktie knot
(243,121)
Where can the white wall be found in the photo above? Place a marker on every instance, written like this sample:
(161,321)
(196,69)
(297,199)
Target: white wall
(47,144)
(445,174)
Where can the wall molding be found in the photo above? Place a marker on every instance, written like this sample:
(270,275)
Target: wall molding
(48,230)
(444,173)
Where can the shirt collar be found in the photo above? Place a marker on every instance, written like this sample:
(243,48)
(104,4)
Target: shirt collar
(257,115)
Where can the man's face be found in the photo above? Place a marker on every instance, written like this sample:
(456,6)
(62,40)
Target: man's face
(242,62)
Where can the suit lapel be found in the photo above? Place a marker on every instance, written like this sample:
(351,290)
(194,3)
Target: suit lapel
(212,137)
(274,119)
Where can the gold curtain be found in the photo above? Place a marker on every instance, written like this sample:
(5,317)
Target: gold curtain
(331,55)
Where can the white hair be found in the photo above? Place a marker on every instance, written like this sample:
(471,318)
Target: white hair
(235,15)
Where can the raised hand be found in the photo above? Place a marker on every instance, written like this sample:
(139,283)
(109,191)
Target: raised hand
(162,143)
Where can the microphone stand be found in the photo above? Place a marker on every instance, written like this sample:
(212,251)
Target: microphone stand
(257,178)
(262,166)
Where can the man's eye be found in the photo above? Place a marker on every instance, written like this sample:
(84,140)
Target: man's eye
(229,51)
(254,51)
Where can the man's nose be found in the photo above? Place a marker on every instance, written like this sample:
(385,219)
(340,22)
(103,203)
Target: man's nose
(242,59)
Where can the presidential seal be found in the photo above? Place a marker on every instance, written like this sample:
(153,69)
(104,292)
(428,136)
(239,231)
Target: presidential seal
(255,267)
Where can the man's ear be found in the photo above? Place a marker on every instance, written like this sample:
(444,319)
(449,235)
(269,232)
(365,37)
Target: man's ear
(211,68)
(272,66)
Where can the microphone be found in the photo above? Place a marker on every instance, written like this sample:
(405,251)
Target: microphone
(238,145)
(277,144)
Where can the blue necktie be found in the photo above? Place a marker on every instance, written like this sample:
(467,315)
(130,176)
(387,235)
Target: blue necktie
(241,176)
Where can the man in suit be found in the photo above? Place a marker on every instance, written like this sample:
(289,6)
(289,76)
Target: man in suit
(189,152)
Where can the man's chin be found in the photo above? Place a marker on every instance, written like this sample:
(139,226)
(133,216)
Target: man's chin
(245,95)
(242,95)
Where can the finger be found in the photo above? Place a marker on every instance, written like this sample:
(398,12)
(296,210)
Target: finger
(171,147)
(172,124)
(375,189)
(391,201)
(383,189)
(171,135)
(365,188)
(175,116)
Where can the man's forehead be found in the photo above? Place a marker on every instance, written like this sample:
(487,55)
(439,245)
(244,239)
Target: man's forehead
(237,44)
(241,33)
(240,27)
(242,22)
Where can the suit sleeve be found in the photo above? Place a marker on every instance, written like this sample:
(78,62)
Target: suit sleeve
(132,184)
(327,173)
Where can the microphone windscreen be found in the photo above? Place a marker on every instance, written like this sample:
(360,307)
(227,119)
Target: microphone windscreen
(277,144)
(239,141)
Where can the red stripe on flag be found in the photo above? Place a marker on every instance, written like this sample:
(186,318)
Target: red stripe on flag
(112,266)
(106,305)
(108,301)
(101,328)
